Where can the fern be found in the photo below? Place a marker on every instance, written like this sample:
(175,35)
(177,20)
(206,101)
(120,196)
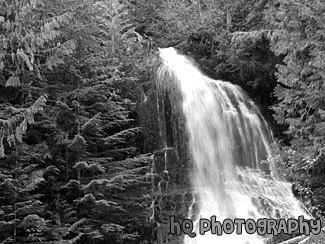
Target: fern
(74,226)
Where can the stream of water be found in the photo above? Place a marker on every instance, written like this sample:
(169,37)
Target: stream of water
(228,141)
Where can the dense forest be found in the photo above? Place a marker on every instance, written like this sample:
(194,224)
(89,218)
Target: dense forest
(75,139)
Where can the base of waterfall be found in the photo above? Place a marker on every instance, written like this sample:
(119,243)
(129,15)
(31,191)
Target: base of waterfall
(262,207)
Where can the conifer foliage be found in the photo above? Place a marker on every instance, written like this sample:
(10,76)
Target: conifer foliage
(71,168)
(299,37)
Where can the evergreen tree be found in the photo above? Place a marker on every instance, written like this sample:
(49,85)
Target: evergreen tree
(71,164)
(299,36)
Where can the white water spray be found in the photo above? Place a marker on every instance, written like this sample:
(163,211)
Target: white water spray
(228,140)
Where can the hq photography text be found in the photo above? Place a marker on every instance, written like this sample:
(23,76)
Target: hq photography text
(261,226)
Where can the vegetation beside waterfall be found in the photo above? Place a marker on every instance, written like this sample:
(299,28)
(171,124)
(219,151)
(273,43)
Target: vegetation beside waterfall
(74,143)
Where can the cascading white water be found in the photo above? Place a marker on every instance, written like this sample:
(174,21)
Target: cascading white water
(228,139)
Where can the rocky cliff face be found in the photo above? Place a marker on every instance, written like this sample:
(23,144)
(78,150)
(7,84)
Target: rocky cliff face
(165,133)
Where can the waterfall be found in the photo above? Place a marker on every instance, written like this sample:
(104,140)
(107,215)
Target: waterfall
(228,140)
